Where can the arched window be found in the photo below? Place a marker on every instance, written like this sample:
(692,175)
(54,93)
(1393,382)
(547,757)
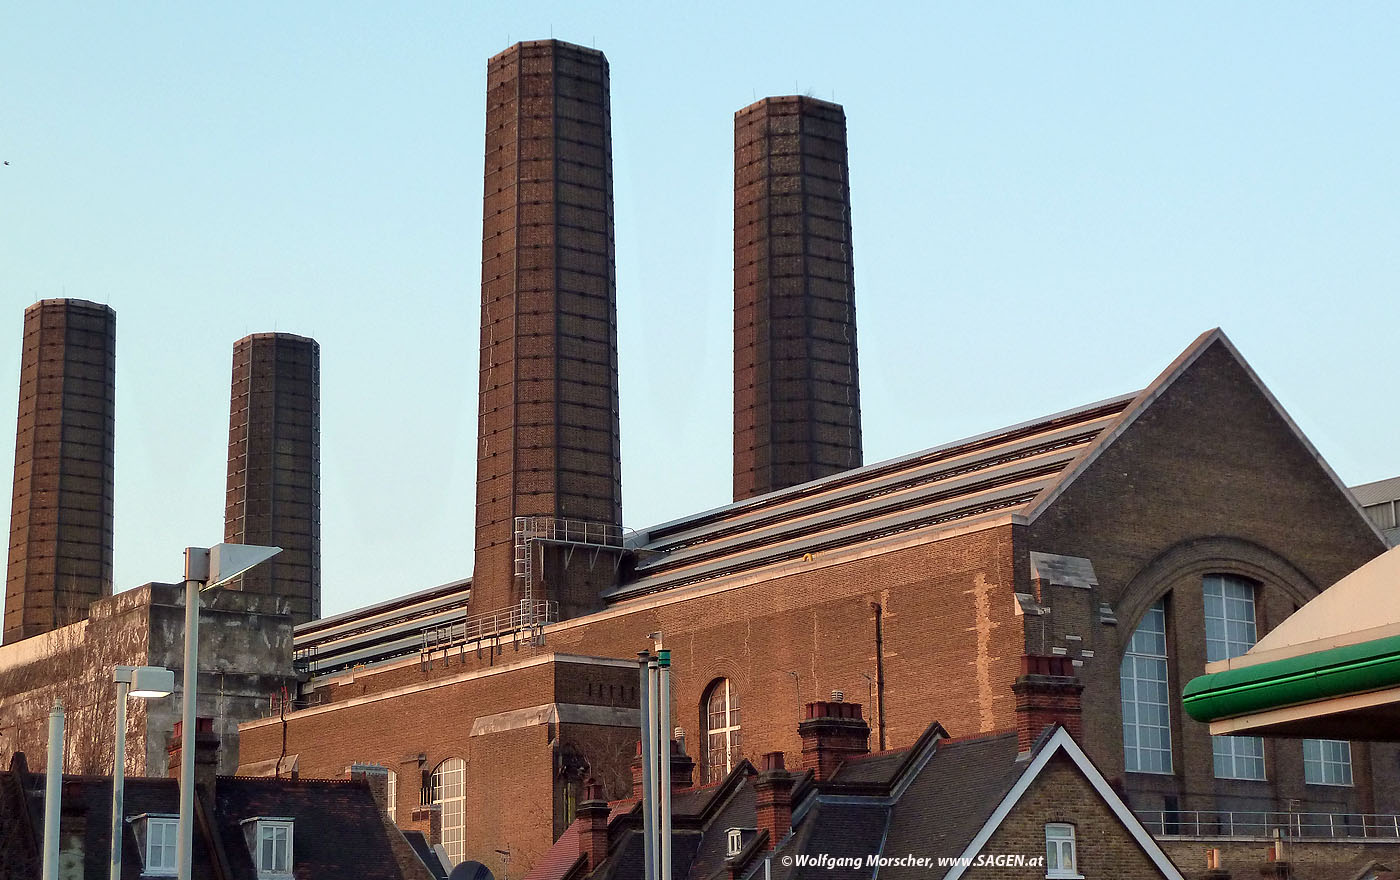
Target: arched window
(1231,630)
(1147,737)
(721,717)
(448,791)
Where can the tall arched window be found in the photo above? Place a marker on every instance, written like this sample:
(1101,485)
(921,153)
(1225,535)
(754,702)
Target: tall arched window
(448,791)
(1147,737)
(1231,630)
(721,718)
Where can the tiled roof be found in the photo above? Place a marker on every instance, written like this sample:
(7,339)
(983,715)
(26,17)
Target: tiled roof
(339,830)
(1374,493)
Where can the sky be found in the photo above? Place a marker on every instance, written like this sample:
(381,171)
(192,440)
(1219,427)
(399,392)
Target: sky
(1050,201)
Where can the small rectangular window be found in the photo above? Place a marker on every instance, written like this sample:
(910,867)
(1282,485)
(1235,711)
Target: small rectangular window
(270,841)
(161,837)
(1327,761)
(1061,861)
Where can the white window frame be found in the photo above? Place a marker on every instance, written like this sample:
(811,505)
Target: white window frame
(1325,770)
(447,790)
(256,829)
(161,867)
(722,743)
(1059,839)
(1229,603)
(1136,659)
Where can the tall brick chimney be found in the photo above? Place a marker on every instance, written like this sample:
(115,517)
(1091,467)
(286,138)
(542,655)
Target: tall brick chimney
(274,466)
(796,387)
(593,815)
(773,798)
(61,510)
(1047,692)
(832,732)
(206,752)
(548,433)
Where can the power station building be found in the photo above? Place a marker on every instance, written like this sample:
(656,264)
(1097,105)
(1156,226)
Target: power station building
(1138,536)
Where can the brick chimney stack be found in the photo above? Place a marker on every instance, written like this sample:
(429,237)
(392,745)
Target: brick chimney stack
(273,489)
(682,769)
(796,385)
(773,798)
(593,815)
(206,753)
(1047,692)
(548,433)
(831,733)
(61,511)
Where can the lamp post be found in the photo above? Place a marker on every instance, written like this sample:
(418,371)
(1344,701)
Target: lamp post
(204,568)
(146,683)
(53,791)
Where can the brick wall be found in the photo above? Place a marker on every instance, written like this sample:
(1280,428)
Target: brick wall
(273,495)
(549,432)
(61,511)
(1309,859)
(796,385)
(1104,847)
(1208,480)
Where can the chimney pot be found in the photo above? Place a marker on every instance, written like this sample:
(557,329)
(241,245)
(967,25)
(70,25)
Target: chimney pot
(832,733)
(593,814)
(1046,693)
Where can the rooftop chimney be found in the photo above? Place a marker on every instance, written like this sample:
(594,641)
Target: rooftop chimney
(61,510)
(831,733)
(273,493)
(548,430)
(593,815)
(206,754)
(773,798)
(682,769)
(796,388)
(1047,692)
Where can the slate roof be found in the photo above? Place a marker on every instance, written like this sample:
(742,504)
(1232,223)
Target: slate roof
(339,830)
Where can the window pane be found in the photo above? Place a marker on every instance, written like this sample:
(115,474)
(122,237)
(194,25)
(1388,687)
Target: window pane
(1144,694)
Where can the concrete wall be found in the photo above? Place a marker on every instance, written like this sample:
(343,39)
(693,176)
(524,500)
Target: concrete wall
(245,657)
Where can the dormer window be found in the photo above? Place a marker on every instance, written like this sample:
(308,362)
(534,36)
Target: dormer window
(156,836)
(270,841)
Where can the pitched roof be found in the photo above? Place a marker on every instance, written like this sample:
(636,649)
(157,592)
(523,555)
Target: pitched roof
(339,830)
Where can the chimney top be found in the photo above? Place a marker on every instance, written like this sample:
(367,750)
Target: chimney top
(773,761)
(1047,692)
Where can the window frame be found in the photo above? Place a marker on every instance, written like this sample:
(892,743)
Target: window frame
(730,734)
(255,829)
(1130,659)
(1057,871)
(454,805)
(1322,762)
(172,824)
(1221,593)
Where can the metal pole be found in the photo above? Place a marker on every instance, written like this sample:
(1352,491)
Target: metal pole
(185,842)
(53,792)
(654,800)
(663,728)
(118,780)
(648,761)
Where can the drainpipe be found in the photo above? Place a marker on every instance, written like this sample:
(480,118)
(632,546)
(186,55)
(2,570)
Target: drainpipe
(879,670)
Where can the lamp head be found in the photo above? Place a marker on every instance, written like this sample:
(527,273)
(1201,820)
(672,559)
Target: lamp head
(147,682)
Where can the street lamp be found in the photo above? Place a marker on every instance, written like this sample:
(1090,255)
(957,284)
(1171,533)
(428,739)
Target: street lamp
(146,683)
(204,568)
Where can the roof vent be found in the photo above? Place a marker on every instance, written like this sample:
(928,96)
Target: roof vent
(838,696)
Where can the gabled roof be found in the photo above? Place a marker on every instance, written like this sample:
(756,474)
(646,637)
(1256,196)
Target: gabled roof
(942,797)
(1020,470)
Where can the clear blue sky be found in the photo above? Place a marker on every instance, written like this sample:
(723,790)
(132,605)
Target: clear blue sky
(1049,200)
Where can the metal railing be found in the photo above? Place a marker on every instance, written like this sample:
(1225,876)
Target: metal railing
(1294,826)
(515,622)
